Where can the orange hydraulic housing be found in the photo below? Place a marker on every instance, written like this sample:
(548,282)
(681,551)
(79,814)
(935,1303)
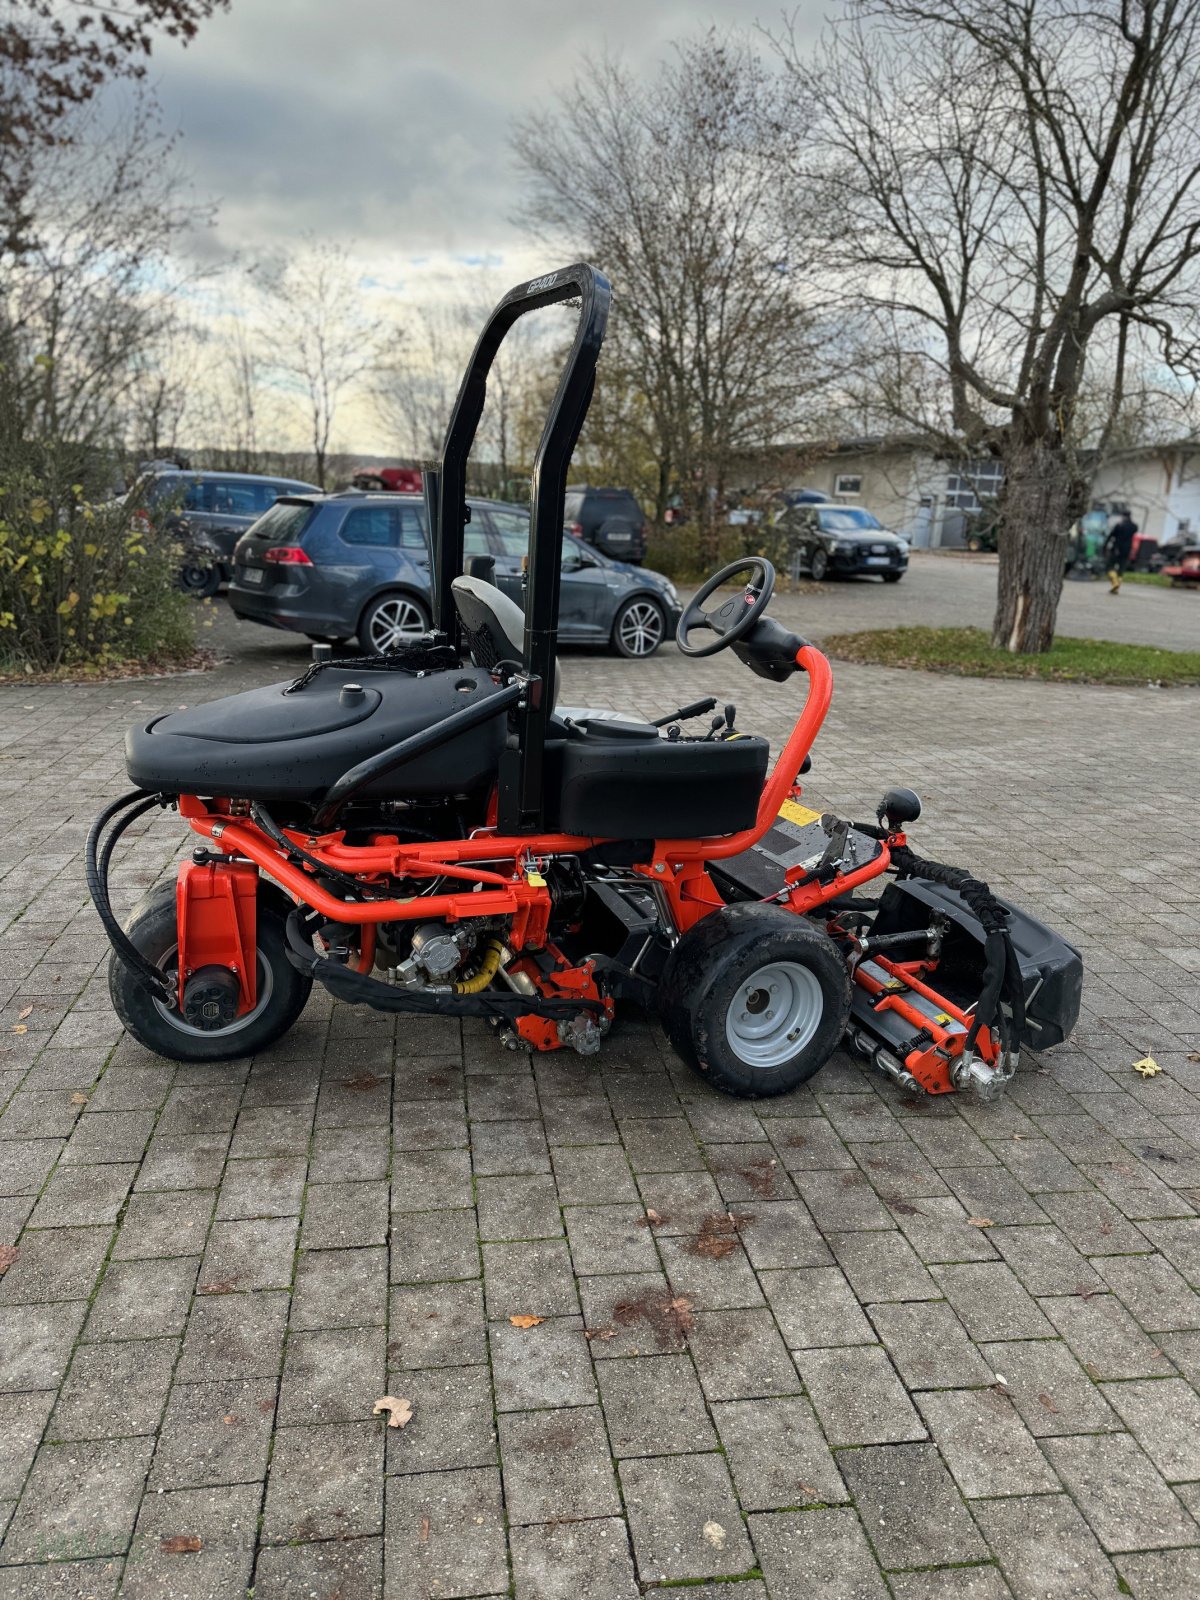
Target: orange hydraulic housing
(900,988)
(216,913)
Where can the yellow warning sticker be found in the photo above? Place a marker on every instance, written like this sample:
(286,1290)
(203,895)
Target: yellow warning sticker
(800,815)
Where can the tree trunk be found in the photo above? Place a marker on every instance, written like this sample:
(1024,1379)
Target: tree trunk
(1037,508)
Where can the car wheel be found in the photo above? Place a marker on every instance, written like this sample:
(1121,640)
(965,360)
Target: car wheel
(198,580)
(638,628)
(392,621)
(892,577)
(818,564)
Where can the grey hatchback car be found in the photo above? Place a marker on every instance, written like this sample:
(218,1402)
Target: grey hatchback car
(342,565)
(215,509)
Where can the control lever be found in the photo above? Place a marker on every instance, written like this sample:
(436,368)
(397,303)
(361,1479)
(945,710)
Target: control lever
(697,710)
(730,714)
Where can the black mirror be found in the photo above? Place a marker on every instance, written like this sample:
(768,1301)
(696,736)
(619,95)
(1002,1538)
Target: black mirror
(899,806)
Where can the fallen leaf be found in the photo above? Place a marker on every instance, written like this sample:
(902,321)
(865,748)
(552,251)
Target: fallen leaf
(399,1410)
(182,1544)
(78,1099)
(599,1333)
(231,1419)
(1147,1066)
(981,1222)
(222,1286)
(526,1321)
(8,1254)
(715,1534)
(363,1083)
(424,1535)
(1085,1291)
(809,1490)
(20,1028)
(905,1208)
(1194,1055)
(651,1219)
(27,1012)
(1048,1403)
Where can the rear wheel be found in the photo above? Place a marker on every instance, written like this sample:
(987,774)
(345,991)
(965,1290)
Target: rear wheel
(755,998)
(638,628)
(818,564)
(392,621)
(198,580)
(281,990)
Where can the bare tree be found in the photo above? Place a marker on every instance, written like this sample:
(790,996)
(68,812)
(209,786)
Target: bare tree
(668,188)
(320,339)
(1007,190)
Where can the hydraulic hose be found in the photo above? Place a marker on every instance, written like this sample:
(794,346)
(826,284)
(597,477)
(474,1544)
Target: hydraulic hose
(488,968)
(96,864)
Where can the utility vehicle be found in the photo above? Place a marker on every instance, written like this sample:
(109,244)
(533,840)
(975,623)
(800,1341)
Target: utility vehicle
(431,831)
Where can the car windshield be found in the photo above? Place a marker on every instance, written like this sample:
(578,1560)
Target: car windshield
(846,519)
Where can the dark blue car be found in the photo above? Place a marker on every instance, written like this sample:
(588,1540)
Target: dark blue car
(339,566)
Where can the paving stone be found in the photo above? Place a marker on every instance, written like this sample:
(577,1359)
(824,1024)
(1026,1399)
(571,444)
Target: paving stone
(61,1580)
(986,1445)
(36,1115)
(272,1130)
(529,1276)
(157,1225)
(441,1326)
(26,1165)
(22,1421)
(1179,1242)
(340,1288)
(262,1188)
(1050,1389)
(660,1144)
(882,1266)
(777,1454)
(748,1173)
(859,1117)
(508,1147)
(14,1213)
(1039,1165)
(250,1254)
(55,1264)
(842,1201)
(426,1180)
(434,1247)
(233,1336)
(350,1155)
(36,1342)
(910,1507)
(1045,1548)
(822,1552)
(1045,1261)
(501,1096)
(778,1233)
(669,1502)
(115,1389)
(341,1216)
(653,1406)
(143,1299)
(445,1535)
(858,1397)
(808,1144)
(80,1500)
(543,1367)
(357,1099)
(991,1301)
(994,1192)
(1107,1474)
(109,1136)
(740,1355)
(1163,1414)
(951,1583)
(183,1162)
(1153,1291)
(815,1307)
(332,1375)
(341,1569)
(938,1229)
(83,1196)
(199,1108)
(452,1424)
(1162,1575)
(521,1207)
(215,1433)
(929,1345)
(325,1483)
(592,1175)
(709,1282)
(557,1464)
(610,1238)
(575,1561)
(1105,1338)
(578,1119)
(225,1520)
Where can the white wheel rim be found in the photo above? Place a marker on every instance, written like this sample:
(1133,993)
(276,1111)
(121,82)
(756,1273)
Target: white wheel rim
(395,622)
(774,1014)
(640,629)
(266,986)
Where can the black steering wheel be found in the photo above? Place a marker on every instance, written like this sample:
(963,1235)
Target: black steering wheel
(734,618)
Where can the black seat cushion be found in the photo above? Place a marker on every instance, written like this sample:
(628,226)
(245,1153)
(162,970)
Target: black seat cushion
(265,744)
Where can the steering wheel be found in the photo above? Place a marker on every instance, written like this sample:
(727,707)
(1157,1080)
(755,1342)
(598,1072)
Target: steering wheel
(734,618)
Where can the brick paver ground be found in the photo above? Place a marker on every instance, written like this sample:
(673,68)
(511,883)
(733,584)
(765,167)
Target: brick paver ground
(952,1352)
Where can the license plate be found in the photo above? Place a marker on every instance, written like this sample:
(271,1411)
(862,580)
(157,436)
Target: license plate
(879,561)
(253,574)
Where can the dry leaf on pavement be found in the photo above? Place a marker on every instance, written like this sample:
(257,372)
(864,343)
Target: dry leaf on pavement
(424,1535)
(399,1410)
(8,1254)
(26,1012)
(78,1099)
(525,1321)
(1147,1066)
(981,1222)
(20,1028)
(1048,1403)
(182,1544)
(715,1534)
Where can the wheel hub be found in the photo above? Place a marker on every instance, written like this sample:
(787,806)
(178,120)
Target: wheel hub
(210,999)
(774,1014)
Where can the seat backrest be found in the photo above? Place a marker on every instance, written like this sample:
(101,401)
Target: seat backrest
(494,625)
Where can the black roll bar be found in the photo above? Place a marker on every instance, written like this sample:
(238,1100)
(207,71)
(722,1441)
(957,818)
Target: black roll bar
(521,793)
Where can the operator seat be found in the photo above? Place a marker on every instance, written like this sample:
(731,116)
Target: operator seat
(494,625)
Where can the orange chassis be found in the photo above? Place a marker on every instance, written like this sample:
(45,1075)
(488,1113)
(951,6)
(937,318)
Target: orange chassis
(503,876)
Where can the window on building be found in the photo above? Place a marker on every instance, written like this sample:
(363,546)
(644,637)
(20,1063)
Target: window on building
(847,483)
(974,482)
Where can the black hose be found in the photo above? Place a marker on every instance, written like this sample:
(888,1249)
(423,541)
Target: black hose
(134,804)
(260,815)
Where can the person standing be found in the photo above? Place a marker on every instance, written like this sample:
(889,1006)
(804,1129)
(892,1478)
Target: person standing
(1119,549)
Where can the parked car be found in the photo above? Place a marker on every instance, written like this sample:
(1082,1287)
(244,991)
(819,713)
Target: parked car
(830,540)
(610,520)
(342,565)
(210,511)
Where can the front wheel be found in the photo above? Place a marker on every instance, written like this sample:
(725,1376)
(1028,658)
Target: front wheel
(391,622)
(755,998)
(638,628)
(818,564)
(281,990)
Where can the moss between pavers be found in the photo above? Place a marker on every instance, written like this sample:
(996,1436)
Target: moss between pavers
(967,652)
